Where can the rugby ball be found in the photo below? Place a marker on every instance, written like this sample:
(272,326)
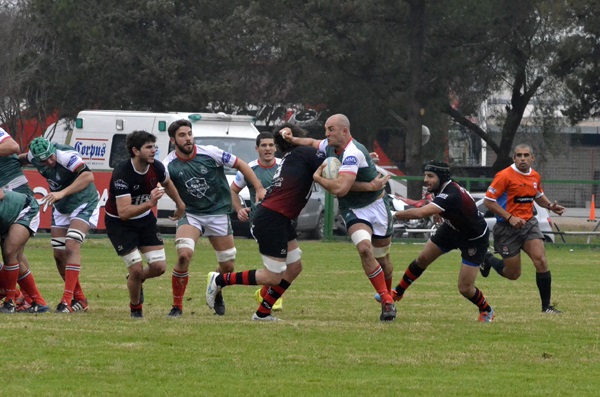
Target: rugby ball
(332,167)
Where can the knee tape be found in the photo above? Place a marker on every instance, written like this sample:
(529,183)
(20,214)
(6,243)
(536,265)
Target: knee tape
(227,255)
(185,243)
(77,235)
(274,266)
(58,243)
(132,258)
(155,256)
(359,236)
(293,256)
(380,252)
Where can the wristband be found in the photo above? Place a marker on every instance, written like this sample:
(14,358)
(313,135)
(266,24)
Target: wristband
(508,219)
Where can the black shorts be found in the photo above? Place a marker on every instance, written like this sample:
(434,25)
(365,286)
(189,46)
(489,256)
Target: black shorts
(126,236)
(472,251)
(272,231)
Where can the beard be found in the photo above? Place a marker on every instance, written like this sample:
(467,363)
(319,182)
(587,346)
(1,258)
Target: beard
(185,150)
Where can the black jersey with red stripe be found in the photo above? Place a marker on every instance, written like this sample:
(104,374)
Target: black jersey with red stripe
(460,211)
(126,180)
(292,183)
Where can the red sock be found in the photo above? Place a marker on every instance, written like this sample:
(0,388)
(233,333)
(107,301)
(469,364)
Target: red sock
(247,277)
(71,279)
(179,282)
(274,293)
(379,283)
(11,275)
(30,289)
(388,282)
(264,290)
(78,294)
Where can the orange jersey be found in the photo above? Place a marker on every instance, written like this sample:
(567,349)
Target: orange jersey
(515,191)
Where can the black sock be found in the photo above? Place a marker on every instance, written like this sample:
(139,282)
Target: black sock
(497,265)
(544,284)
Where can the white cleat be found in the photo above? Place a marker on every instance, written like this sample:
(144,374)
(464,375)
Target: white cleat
(211,289)
(269,318)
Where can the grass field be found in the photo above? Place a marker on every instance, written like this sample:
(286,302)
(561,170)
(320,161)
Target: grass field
(330,344)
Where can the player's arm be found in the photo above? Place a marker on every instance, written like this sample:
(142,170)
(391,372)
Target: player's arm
(339,186)
(375,185)
(83,179)
(23,159)
(128,210)
(544,202)
(242,211)
(251,178)
(172,192)
(286,133)
(415,213)
(9,146)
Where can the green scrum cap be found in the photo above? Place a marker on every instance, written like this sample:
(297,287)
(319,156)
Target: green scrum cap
(41,149)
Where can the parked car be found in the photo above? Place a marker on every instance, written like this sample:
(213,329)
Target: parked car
(542,215)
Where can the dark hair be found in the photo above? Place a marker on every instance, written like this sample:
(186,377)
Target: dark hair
(283,145)
(176,125)
(137,139)
(263,135)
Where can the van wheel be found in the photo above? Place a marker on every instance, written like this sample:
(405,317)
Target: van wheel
(319,231)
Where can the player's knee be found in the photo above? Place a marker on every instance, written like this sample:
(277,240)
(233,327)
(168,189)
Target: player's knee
(74,236)
(131,259)
(226,255)
(381,252)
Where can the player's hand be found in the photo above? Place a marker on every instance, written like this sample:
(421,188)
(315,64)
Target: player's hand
(243,214)
(179,213)
(52,198)
(156,194)
(319,172)
(516,222)
(286,134)
(374,157)
(260,194)
(380,181)
(556,208)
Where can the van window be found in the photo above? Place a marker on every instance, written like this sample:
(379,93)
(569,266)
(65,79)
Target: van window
(118,150)
(243,148)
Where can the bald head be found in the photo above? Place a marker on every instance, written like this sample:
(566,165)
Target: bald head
(340,120)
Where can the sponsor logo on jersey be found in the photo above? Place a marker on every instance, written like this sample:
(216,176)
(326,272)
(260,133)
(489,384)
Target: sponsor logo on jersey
(350,160)
(521,200)
(121,184)
(226,157)
(197,187)
(443,196)
(72,160)
(491,190)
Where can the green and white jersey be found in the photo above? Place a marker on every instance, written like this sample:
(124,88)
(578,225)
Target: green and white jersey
(264,175)
(11,174)
(62,175)
(355,160)
(12,209)
(201,181)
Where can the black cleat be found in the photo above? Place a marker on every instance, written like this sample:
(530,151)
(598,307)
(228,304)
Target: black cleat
(137,313)
(388,312)
(175,312)
(219,304)
(8,307)
(551,310)
(62,307)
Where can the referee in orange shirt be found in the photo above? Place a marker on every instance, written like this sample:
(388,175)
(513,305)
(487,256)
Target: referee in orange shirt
(510,197)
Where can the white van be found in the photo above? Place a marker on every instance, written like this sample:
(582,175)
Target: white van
(99,136)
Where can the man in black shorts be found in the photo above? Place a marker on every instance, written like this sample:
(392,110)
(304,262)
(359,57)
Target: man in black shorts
(135,188)
(272,227)
(464,228)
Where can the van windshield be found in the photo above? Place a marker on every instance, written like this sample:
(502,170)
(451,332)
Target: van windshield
(243,148)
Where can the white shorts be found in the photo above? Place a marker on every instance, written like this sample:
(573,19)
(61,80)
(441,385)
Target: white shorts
(209,225)
(375,214)
(64,220)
